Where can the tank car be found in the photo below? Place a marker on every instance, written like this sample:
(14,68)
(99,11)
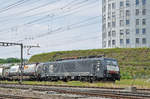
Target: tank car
(14,72)
(1,73)
(6,73)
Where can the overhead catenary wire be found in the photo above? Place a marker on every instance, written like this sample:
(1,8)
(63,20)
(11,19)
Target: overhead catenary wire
(18,3)
(30,10)
(76,26)
(35,8)
(36,20)
(80,24)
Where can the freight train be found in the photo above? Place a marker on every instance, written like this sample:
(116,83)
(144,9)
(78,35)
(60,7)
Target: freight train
(79,69)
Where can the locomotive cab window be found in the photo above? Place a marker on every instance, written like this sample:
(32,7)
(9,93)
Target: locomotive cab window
(111,62)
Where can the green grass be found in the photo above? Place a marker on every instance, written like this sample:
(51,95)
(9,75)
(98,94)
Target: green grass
(139,83)
(137,56)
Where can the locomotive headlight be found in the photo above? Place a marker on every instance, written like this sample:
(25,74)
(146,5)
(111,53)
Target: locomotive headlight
(98,63)
(97,69)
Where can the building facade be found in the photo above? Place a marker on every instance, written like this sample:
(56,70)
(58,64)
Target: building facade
(125,23)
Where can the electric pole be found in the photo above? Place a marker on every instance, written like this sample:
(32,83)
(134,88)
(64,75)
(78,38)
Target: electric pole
(7,44)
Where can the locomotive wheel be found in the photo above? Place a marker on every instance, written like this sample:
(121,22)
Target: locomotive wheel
(65,80)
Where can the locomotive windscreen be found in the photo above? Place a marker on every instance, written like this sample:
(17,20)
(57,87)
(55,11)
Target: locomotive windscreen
(111,62)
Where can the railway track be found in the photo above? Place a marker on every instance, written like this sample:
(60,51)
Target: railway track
(112,88)
(114,93)
(2,96)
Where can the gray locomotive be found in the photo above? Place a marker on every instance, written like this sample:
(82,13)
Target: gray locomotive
(90,69)
(84,69)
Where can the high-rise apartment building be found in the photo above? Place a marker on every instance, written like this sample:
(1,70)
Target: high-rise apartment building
(126,23)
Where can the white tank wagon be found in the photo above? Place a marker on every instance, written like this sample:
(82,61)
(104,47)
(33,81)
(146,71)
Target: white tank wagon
(1,73)
(31,71)
(6,74)
(14,72)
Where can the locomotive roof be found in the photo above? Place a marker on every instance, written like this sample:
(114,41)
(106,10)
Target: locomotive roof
(72,60)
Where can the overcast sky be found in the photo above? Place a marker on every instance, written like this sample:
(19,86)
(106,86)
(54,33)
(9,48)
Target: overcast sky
(55,25)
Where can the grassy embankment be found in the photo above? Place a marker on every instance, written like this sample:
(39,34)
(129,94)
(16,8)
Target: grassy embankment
(133,62)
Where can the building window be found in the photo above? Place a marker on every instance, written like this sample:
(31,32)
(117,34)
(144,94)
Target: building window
(109,25)
(137,40)
(144,21)
(143,31)
(104,1)
(127,12)
(113,14)
(127,41)
(121,13)
(121,41)
(109,14)
(137,31)
(109,43)
(121,23)
(114,33)
(109,34)
(143,2)
(127,3)
(121,32)
(113,24)
(144,41)
(113,6)
(137,12)
(144,12)
(137,21)
(127,22)
(113,42)
(127,31)
(109,7)
(121,4)
(137,2)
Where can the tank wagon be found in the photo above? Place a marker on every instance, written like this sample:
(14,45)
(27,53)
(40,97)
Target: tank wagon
(80,69)
(1,73)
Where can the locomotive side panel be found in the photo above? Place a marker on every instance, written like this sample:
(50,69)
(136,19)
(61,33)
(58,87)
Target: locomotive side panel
(74,68)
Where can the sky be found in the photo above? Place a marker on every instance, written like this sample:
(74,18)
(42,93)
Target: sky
(55,25)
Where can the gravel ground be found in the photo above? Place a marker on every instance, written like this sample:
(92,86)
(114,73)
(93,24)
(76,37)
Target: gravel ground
(43,95)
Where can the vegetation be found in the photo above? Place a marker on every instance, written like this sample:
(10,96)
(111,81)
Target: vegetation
(139,83)
(133,62)
(9,60)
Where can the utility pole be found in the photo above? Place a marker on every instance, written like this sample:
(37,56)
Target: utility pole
(21,67)
(7,44)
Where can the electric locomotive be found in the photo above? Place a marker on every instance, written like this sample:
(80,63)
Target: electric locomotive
(88,69)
